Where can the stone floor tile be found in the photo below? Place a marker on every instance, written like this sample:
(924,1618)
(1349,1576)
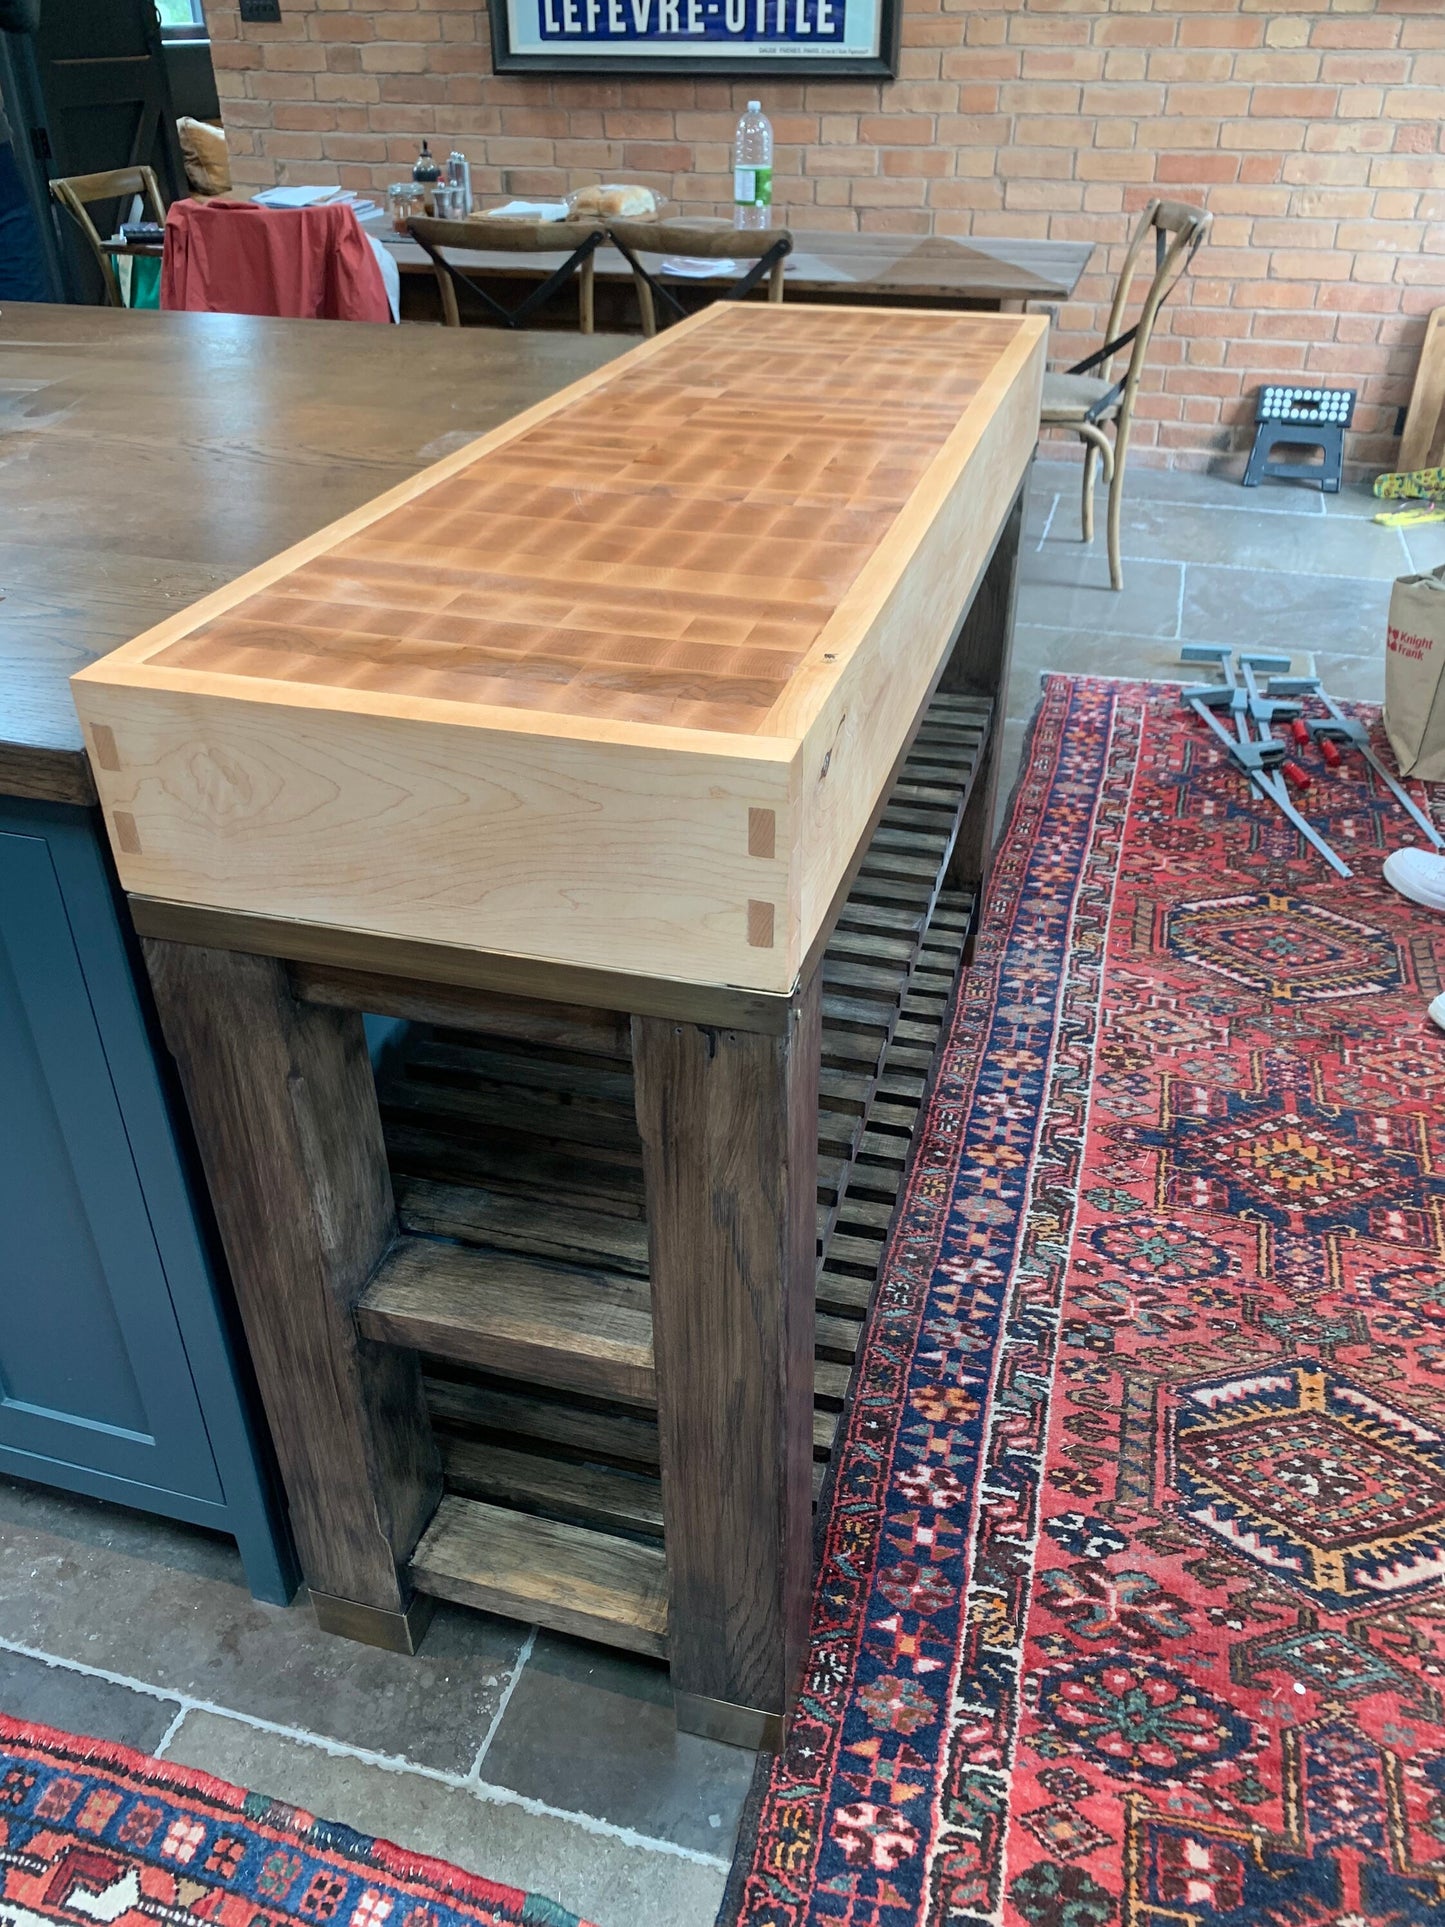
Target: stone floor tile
(1038,511)
(1235,536)
(1425,547)
(1275,609)
(1086,652)
(210,1641)
(1354,499)
(115,1528)
(1145,484)
(624,1759)
(53,1695)
(605,1879)
(1065,585)
(1353,679)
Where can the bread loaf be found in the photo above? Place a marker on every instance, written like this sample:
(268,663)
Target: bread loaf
(618,203)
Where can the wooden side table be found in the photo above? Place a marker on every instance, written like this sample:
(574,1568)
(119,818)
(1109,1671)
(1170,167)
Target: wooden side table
(538,1327)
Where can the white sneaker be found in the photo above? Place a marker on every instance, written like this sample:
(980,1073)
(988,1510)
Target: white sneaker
(1437,1010)
(1420,876)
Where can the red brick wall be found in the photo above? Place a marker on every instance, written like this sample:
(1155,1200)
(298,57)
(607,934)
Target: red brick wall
(1312,128)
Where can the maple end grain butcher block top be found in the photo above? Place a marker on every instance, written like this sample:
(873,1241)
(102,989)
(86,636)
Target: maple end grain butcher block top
(619,684)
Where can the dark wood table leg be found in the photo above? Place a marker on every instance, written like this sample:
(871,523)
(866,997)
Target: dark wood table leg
(729,1124)
(284,1110)
(979,666)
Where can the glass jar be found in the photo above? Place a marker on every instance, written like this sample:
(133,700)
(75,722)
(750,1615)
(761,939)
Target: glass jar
(404,202)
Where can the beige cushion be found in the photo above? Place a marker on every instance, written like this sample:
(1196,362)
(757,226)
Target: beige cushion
(208,164)
(1068,398)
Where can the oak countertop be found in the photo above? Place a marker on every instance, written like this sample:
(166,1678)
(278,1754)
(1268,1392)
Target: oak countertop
(146,459)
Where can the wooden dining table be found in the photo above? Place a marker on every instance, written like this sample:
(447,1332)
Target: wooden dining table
(1002,273)
(994,272)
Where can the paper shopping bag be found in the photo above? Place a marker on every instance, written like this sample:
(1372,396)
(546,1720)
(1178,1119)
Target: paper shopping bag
(1415,675)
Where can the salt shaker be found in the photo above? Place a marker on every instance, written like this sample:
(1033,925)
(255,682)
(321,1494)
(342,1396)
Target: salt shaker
(459,174)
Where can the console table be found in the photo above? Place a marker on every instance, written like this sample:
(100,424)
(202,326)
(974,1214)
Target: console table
(636,755)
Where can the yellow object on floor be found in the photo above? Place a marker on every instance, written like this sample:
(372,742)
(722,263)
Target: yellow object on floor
(1424,487)
(1411,518)
(1411,482)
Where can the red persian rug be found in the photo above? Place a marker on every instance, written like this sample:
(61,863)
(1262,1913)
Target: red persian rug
(1131,1606)
(93,1835)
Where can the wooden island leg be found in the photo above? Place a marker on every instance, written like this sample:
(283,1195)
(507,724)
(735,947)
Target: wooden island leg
(979,666)
(281,1097)
(729,1123)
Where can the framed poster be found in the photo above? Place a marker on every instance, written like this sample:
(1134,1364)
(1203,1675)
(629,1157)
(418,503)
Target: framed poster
(738,37)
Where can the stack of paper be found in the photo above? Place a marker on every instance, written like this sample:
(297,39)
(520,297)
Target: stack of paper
(316,197)
(529,211)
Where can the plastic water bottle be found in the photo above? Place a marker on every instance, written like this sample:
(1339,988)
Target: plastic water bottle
(753,169)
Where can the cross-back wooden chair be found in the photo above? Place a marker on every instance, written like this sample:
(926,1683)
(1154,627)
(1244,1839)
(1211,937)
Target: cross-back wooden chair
(578,240)
(78,193)
(1086,398)
(705,240)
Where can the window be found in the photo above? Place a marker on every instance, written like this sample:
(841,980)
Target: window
(181,19)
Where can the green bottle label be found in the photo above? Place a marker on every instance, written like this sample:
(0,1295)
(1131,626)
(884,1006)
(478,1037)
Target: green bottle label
(753,186)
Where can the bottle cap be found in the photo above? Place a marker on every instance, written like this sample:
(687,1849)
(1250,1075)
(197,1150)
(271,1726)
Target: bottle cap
(755,106)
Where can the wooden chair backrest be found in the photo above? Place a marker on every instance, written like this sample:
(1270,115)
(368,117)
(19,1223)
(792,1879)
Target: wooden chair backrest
(504,237)
(77,192)
(700,240)
(1178,230)
(578,240)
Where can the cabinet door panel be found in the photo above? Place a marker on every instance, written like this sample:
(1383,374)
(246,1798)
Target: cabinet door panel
(93,1371)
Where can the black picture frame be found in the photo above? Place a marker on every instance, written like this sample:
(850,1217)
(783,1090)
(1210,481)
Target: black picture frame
(746,66)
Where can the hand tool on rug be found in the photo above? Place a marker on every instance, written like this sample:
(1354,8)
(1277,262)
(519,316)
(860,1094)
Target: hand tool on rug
(1266,710)
(1253,748)
(1339,728)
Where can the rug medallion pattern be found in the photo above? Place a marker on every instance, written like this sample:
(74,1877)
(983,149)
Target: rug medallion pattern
(1132,1599)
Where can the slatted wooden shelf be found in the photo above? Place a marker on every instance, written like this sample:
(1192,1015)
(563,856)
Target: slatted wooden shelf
(521,1275)
(591,1465)
(546,1572)
(578,1328)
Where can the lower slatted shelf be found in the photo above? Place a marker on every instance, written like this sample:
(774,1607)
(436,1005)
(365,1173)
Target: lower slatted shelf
(547,1573)
(521,1271)
(578,1328)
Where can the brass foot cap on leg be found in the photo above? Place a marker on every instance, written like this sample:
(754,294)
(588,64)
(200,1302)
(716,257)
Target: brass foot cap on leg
(733,1725)
(394,1632)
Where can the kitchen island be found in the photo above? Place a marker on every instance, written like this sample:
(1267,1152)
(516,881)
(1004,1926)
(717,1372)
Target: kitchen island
(629,752)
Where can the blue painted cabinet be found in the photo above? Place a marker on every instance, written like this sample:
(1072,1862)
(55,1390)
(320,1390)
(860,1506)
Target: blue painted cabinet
(118,1377)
